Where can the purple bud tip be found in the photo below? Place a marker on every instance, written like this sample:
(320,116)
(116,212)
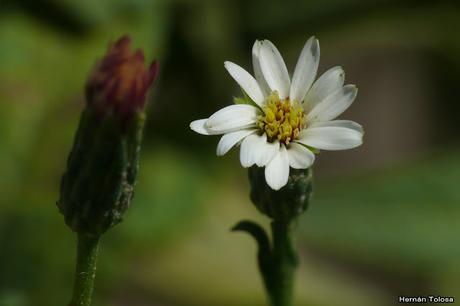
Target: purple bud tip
(120,80)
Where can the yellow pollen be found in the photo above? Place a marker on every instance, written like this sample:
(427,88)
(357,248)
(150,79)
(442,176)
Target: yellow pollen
(281,120)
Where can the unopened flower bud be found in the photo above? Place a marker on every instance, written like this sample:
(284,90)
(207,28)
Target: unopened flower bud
(119,81)
(98,184)
(285,204)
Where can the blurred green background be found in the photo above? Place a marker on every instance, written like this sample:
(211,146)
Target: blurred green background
(384,220)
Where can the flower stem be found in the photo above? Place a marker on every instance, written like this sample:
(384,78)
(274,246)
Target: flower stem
(85,273)
(277,260)
(279,274)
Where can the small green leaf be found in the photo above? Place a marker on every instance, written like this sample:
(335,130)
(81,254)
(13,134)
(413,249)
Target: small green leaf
(245,99)
(240,100)
(314,150)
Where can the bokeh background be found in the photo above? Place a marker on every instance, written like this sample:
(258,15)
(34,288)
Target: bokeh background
(384,220)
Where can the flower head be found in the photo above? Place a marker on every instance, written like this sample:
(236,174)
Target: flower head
(98,184)
(120,81)
(281,122)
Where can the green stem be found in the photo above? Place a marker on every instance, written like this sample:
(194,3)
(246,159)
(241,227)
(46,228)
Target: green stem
(279,275)
(85,273)
(277,261)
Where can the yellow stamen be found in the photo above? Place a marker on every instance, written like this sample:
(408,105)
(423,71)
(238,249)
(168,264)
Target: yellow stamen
(281,120)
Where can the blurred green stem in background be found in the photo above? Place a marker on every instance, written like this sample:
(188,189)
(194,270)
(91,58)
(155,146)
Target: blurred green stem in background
(87,250)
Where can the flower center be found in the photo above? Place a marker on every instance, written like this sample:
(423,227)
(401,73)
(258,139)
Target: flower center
(281,119)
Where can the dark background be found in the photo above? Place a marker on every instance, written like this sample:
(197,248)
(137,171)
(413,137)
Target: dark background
(384,220)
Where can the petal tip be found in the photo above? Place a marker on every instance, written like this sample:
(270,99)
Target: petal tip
(199,126)
(350,89)
(315,48)
(219,153)
(276,188)
(275,185)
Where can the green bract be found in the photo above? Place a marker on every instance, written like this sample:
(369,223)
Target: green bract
(98,184)
(285,204)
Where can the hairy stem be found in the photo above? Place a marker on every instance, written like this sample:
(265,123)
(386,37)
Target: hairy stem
(279,275)
(85,273)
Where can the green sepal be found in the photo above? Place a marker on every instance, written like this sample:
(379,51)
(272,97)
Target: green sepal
(241,100)
(98,185)
(245,99)
(314,150)
(285,204)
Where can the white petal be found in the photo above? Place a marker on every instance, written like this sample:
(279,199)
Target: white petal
(230,139)
(340,123)
(277,170)
(199,126)
(274,69)
(257,71)
(299,156)
(266,151)
(328,83)
(246,150)
(305,70)
(333,105)
(256,150)
(232,118)
(246,81)
(331,138)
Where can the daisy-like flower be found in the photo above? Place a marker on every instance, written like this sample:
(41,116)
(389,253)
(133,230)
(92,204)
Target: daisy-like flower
(281,122)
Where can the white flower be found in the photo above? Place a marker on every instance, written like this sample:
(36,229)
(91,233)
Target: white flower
(284,120)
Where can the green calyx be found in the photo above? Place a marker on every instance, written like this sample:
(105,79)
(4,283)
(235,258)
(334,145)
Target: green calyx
(285,204)
(98,185)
